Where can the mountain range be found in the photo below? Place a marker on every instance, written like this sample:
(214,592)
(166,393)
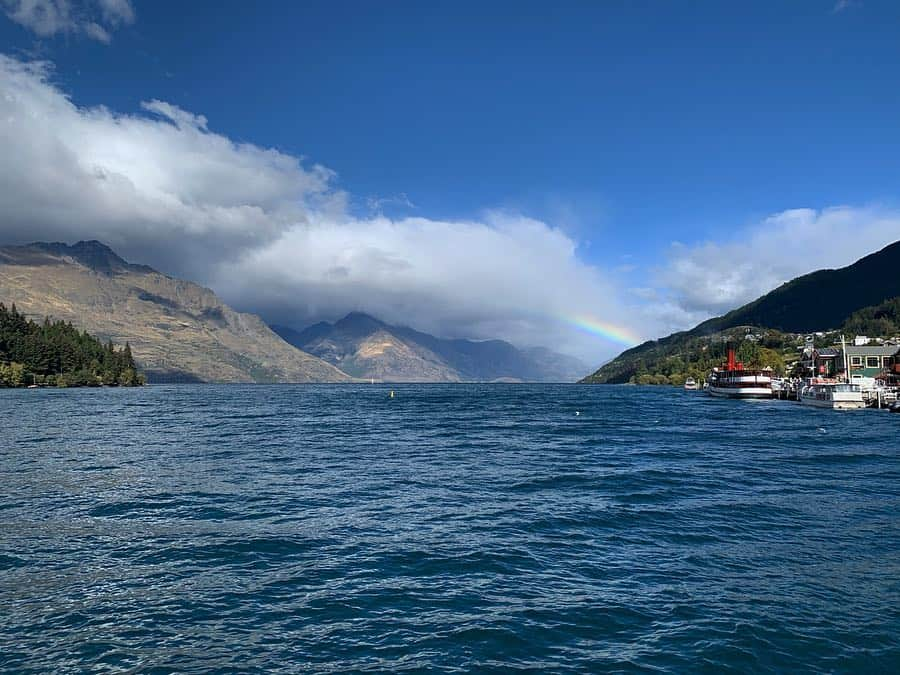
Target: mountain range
(823,300)
(364,347)
(180,331)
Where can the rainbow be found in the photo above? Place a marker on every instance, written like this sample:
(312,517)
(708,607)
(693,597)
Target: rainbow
(619,334)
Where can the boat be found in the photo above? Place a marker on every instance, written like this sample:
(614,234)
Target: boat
(830,393)
(895,407)
(732,380)
(827,393)
(691,385)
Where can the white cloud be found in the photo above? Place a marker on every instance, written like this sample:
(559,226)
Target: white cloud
(273,234)
(714,277)
(93,18)
(507,276)
(141,183)
(117,12)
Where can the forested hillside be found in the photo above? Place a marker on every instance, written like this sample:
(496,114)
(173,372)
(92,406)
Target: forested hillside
(683,355)
(880,320)
(55,353)
(821,300)
(861,298)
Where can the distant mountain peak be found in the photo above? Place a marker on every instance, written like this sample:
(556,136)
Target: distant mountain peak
(92,254)
(358,323)
(366,347)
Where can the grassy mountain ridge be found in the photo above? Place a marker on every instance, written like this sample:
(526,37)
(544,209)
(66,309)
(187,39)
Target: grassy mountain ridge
(822,300)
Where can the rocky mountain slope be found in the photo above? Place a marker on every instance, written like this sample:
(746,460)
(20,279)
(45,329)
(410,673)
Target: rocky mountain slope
(819,301)
(178,331)
(365,347)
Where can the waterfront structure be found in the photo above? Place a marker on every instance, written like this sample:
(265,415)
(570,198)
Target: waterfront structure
(876,361)
(871,360)
(826,362)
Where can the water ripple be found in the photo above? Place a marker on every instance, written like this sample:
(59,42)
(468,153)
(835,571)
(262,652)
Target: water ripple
(452,528)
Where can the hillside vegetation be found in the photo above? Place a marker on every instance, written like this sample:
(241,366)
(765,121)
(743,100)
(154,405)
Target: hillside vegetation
(55,353)
(820,300)
(683,355)
(880,320)
(862,298)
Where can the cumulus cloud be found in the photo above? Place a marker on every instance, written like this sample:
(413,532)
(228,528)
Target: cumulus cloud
(714,277)
(273,234)
(92,18)
(507,276)
(161,184)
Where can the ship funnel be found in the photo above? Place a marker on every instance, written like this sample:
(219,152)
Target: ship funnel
(732,364)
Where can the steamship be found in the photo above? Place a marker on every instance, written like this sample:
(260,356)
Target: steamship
(732,380)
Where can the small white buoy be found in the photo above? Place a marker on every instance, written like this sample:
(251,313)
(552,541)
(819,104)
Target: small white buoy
(822,430)
(577,412)
(392,393)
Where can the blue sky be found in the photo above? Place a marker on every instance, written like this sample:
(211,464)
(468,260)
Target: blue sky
(627,125)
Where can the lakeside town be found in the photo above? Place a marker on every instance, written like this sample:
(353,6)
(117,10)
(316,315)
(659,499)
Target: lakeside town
(863,372)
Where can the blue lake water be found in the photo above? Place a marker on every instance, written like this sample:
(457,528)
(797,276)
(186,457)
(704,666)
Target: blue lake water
(466,527)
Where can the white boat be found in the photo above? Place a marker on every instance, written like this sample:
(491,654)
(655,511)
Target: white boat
(732,380)
(823,393)
(690,384)
(828,393)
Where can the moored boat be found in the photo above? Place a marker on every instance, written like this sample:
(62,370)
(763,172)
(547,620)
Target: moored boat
(834,394)
(825,393)
(690,384)
(732,380)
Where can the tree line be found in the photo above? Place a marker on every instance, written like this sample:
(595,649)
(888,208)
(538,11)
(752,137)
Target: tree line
(55,353)
(878,320)
(672,360)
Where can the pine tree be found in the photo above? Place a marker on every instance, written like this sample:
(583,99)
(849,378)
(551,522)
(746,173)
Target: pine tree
(56,352)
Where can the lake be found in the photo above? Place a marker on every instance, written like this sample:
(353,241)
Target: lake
(451,527)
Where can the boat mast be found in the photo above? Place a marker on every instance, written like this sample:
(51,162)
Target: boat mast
(846,360)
